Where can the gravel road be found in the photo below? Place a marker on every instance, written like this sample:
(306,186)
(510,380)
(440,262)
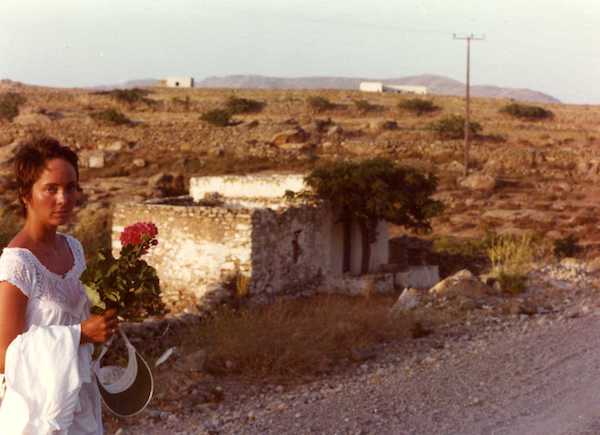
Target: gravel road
(527,375)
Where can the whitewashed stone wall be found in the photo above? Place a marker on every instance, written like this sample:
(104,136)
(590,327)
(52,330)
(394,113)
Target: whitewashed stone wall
(198,246)
(291,249)
(247,186)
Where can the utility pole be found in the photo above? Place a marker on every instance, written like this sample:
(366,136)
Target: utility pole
(468,38)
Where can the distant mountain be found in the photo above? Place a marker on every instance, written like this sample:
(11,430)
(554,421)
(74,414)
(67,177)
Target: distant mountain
(436,84)
(139,83)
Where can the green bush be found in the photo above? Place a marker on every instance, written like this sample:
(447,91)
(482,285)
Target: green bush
(111,116)
(363,106)
(243,105)
(9,105)
(320,104)
(523,111)
(567,247)
(217,117)
(453,127)
(128,96)
(418,106)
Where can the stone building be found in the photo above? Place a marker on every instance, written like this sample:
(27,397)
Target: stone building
(250,240)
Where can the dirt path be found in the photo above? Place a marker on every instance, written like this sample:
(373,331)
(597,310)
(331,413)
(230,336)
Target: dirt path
(535,375)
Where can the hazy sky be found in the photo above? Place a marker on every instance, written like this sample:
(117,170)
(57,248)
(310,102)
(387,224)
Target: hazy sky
(546,45)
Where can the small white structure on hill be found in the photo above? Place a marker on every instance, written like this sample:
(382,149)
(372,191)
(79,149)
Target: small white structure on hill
(179,82)
(371,87)
(406,89)
(400,89)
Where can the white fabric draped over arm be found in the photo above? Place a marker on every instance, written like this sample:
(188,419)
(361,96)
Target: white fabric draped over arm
(44,370)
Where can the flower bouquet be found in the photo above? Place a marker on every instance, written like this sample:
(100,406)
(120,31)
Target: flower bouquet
(127,283)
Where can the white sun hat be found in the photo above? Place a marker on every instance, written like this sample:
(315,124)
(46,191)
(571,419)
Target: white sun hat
(125,391)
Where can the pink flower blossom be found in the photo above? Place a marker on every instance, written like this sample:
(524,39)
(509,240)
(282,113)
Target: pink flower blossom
(139,233)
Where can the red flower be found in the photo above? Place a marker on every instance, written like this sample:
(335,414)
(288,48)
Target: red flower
(139,233)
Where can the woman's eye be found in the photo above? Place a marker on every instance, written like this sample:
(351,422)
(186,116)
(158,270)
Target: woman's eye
(51,189)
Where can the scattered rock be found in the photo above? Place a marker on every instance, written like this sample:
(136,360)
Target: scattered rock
(297,135)
(139,163)
(480,182)
(96,160)
(593,266)
(408,300)
(194,361)
(462,283)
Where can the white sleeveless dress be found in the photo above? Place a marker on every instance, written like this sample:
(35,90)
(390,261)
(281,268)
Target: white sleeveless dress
(58,300)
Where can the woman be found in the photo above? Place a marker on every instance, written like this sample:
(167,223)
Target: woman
(41,297)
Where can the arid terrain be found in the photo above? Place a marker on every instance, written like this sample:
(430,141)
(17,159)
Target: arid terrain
(543,172)
(515,364)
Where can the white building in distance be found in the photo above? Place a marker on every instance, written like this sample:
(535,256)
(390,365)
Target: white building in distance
(400,89)
(179,82)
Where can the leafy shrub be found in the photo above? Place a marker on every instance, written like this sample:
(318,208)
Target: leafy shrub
(453,127)
(418,106)
(128,96)
(567,247)
(9,105)
(372,190)
(111,116)
(320,104)
(523,111)
(363,106)
(243,105)
(217,117)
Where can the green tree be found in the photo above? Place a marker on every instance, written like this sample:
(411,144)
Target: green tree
(372,190)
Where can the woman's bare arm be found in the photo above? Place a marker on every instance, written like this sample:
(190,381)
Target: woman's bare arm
(13,304)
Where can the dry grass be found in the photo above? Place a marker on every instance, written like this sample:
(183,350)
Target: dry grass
(291,338)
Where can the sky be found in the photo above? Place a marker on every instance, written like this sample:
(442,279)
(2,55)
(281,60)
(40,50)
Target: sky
(547,45)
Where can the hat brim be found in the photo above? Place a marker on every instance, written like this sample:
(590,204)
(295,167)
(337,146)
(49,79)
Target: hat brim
(133,399)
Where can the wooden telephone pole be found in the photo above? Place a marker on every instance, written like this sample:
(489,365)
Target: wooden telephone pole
(468,38)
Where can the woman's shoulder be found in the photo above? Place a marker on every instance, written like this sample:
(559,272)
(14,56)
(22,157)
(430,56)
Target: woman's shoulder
(17,268)
(73,241)
(76,247)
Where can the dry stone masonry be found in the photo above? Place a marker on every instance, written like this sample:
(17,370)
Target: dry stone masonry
(249,243)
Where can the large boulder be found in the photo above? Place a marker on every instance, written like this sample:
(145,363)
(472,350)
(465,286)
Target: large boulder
(463,284)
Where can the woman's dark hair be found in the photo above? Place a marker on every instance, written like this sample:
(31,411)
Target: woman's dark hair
(30,161)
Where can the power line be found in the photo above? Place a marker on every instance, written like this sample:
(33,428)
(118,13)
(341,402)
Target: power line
(468,38)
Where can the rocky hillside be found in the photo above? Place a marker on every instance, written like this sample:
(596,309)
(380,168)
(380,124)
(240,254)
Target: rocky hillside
(527,176)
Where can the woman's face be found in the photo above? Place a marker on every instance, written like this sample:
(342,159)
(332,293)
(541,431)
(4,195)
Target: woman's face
(54,194)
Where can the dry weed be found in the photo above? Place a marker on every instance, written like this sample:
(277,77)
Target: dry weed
(297,337)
